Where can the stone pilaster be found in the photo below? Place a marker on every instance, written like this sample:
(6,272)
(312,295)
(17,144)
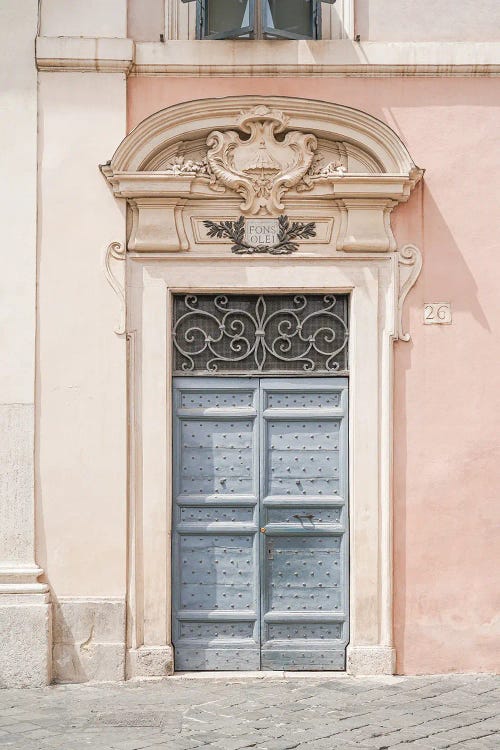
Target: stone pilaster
(25,621)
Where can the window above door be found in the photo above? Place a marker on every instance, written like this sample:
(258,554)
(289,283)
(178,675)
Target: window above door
(258,19)
(272,334)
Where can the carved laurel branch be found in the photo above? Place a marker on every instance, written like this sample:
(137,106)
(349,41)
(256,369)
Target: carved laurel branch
(116,250)
(235,231)
(409,264)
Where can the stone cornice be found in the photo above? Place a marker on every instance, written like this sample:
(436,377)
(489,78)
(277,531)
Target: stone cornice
(318,58)
(84,55)
(148,184)
(267,58)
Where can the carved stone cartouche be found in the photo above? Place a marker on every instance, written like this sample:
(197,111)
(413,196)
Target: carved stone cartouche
(260,161)
(260,167)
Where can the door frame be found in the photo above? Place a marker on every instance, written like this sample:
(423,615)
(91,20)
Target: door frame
(168,250)
(151,283)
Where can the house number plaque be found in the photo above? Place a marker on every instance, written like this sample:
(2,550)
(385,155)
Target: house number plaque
(273,236)
(436,313)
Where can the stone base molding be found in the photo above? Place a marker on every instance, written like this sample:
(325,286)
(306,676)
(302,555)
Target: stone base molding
(25,612)
(150,661)
(25,625)
(88,639)
(370,660)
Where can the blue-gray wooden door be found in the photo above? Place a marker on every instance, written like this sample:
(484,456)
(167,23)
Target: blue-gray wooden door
(260,542)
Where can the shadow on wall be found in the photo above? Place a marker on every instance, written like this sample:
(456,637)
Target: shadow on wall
(420,416)
(446,275)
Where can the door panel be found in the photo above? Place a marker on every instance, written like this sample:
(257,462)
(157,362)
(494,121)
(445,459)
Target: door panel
(303,487)
(304,574)
(215,547)
(302,456)
(274,598)
(214,455)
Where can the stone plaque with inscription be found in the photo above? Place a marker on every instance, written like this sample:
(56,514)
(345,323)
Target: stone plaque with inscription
(261,232)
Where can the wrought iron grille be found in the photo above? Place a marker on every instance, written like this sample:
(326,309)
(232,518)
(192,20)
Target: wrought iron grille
(253,334)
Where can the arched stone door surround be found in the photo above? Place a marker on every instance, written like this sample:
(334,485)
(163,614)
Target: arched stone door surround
(338,167)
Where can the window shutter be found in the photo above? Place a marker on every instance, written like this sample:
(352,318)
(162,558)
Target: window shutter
(205,20)
(301,20)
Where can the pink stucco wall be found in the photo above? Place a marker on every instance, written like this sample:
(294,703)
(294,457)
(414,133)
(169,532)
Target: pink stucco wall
(447,380)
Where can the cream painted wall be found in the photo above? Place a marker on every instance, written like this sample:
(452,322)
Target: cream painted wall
(146,20)
(427,20)
(447,450)
(81,426)
(92,18)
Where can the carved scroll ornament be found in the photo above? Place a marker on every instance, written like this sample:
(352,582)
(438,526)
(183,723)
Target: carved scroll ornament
(261,167)
(117,251)
(409,265)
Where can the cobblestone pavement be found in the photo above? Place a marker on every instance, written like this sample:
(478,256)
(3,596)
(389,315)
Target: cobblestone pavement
(277,712)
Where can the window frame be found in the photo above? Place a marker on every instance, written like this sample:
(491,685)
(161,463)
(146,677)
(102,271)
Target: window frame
(257,29)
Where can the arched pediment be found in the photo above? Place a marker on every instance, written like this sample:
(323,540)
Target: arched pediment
(191,122)
(261,155)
